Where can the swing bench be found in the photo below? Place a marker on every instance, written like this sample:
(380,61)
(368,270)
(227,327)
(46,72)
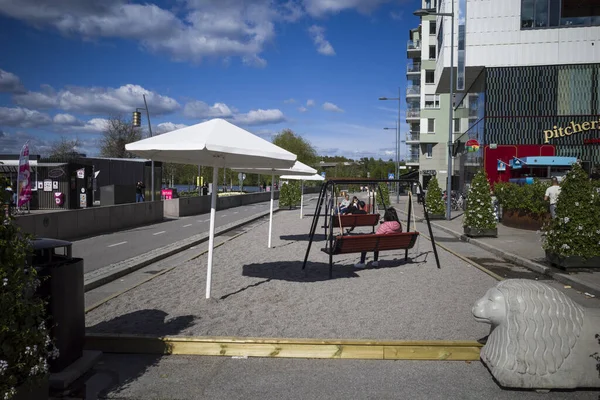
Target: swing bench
(347,244)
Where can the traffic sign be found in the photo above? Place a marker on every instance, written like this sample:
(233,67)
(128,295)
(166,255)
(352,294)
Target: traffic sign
(391,175)
(323,174)
(241,176)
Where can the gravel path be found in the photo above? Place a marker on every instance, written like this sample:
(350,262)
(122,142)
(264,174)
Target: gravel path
(263,292)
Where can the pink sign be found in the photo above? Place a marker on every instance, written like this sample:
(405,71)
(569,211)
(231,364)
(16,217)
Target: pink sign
(24,179)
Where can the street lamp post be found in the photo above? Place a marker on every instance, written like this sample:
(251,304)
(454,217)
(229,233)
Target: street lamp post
(422,13)
(137,124)
(396,169)
(399,98)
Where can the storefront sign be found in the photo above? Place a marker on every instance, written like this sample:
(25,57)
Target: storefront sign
(472,145)
(501,165)
(591,141)
(572,128)
(81,173)
(56,173)
(428,172)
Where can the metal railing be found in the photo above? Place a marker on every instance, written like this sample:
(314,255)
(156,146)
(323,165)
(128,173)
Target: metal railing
(413,45)
(413,113)
(412,159)
(414,90)
(413,136)
(413,67)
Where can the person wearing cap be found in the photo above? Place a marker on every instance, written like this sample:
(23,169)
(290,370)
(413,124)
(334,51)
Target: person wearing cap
(551,195)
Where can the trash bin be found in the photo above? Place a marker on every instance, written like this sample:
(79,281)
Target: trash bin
(61,287)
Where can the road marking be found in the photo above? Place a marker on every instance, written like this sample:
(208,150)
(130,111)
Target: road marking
(159,233)
(185,226)
(117,244)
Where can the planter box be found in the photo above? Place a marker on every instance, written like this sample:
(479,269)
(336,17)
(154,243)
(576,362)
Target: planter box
(36,390)
(572,261)
(476,232)
(524,220)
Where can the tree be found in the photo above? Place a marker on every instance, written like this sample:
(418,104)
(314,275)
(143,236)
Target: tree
(64,149)
(433,199)
(296,144)
(480,210)
(116,135)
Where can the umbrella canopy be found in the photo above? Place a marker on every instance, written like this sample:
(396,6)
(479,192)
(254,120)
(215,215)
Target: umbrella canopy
(299,169)
(315,177)
(216,143)
(213,143)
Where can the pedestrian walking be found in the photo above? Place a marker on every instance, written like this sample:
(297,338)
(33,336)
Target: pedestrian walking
(551,195)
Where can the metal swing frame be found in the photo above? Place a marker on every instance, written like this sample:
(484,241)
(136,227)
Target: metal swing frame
(330,186)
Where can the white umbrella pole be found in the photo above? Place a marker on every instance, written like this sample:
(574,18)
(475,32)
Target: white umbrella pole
(301,196)
(271,212)
(211,232)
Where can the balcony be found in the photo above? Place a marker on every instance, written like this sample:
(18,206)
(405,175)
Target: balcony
(414,90)
(413,137)
(412,159)
(413,68)
(413,113)
(413,46)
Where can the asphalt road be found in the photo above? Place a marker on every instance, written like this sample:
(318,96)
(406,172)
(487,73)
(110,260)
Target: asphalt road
(103,250)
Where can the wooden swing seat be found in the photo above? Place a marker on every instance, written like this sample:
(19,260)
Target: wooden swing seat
(372,242)
(350,221)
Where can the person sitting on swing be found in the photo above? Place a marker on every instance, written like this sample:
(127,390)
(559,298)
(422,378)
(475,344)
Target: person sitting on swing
(354,207)
(390,224)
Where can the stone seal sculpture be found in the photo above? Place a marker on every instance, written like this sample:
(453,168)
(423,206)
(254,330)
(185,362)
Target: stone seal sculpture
(540,338)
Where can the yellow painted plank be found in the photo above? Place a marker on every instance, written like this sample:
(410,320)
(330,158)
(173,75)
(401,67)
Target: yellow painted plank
(431,353)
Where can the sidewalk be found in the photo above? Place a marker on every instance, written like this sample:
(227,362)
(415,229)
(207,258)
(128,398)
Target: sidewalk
(518,246)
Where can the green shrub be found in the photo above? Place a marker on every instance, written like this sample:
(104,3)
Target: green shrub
(433,198)
(385,192)
(24,341)
(289,194)
(480,210)
(527,198)
(576,229)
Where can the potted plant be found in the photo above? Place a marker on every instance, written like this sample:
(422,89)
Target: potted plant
(523,206)
(289,195)
(434,200)
(24,341)
(480,218)
(571,240)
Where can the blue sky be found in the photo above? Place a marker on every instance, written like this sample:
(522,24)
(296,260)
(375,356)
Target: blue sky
(314,66)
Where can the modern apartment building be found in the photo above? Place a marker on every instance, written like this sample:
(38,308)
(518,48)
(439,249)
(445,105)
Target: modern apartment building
(532,83)
(427,111)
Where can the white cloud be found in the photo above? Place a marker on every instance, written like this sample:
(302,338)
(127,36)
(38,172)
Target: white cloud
(196,30)
(310,103)
(93,125)
(23,117)
(10,83)
(96,100)
(65,119)
(302,109)
(199,109)
(259,117)
(327,106)
(289,101)
(165,127)
(397,15)
(317,34)
(318,8)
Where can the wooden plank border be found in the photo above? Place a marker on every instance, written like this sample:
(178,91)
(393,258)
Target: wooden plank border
(442,350)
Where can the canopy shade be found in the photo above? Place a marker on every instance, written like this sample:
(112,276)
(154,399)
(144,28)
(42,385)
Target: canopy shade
(213,143)
(315,177)
(297,169)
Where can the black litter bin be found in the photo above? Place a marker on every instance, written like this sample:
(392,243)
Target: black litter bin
(61,286)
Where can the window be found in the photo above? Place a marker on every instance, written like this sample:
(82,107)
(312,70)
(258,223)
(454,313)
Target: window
(440,38)
(432,101)
(432,52)
(430,4)
(456,125)
(430,125)
(539,14)
(432,27)
(429,151)
(429,76)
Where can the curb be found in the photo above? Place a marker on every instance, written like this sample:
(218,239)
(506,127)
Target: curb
(564,278)
(104,275)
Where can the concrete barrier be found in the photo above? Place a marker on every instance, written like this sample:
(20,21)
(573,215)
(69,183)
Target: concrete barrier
(185,206)
(77,224)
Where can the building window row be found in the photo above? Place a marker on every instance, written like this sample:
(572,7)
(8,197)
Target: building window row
(540,14)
